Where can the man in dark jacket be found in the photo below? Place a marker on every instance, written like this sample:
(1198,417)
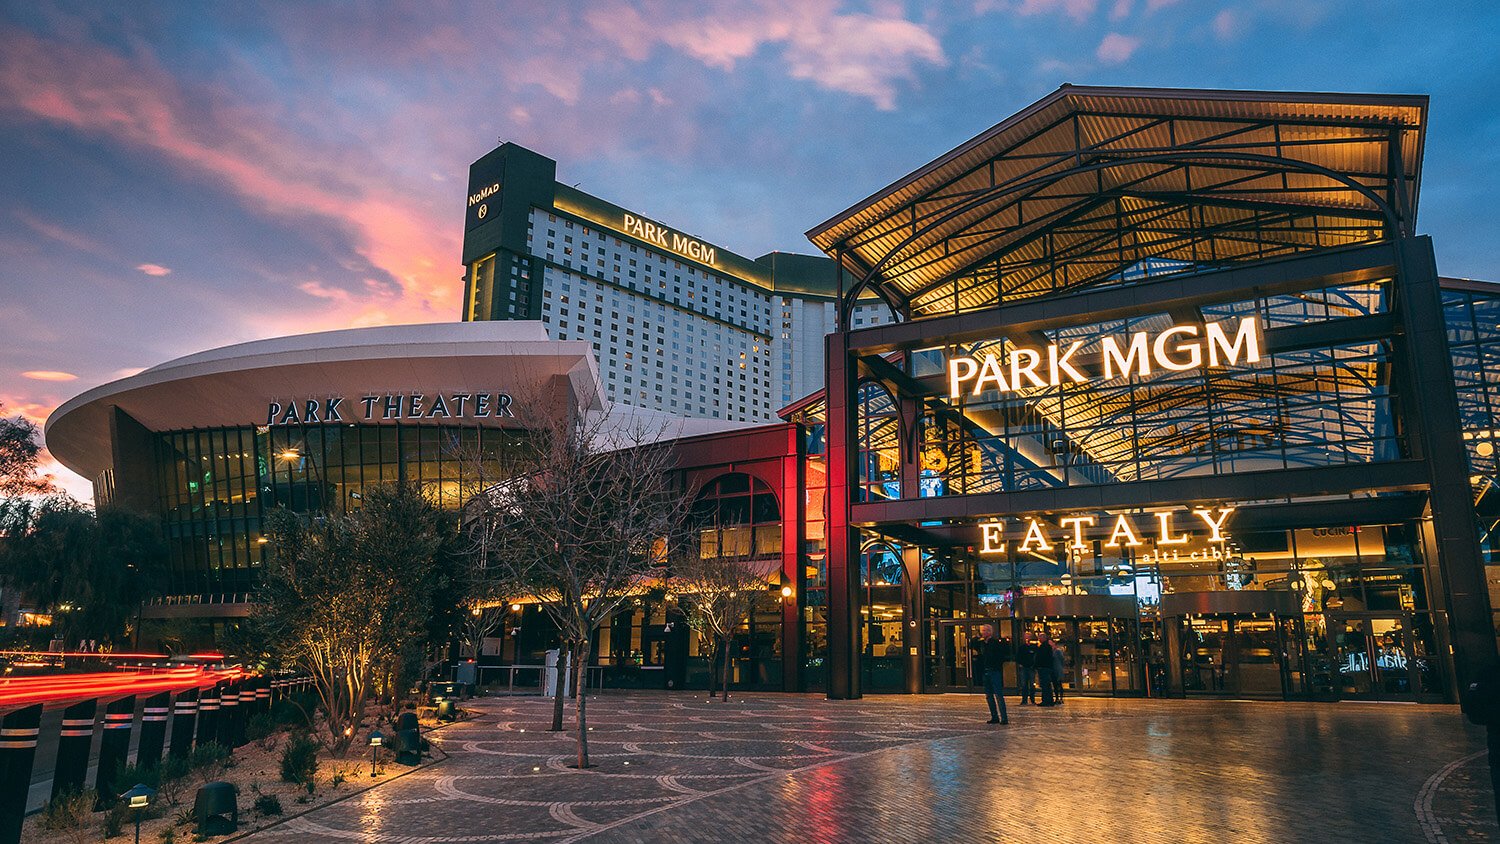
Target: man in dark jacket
(1044,670)
(993,652)
(1026,668)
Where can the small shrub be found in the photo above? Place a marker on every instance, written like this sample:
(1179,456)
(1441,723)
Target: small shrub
(171,776)
(210,761)
(168,836)
(69,810)
(185,817)
(114,819)
(268,804)
(299,760)
(126,777)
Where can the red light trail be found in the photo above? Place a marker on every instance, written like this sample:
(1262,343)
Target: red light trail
(57,690)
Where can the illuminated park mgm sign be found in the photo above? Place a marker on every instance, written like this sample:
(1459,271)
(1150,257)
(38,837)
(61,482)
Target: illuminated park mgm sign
(403,406)
(1165,529)
(1179,348)
(668,239)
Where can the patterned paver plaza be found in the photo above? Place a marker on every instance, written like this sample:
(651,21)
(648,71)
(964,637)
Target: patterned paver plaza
(781,767)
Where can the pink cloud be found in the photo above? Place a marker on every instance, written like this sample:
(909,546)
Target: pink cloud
(49,375)
(1079,10)
(135,102)
(153,269)
(1116,48)
(861,54)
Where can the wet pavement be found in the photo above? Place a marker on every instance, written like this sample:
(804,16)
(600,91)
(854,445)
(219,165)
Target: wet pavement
(774,767)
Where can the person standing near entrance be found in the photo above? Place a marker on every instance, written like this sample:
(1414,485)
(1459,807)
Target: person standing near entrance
(1481,705)
(993,654)
(1026,668)
(1043,665)
(1059,667)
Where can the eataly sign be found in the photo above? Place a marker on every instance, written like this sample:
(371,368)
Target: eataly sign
(1123,533)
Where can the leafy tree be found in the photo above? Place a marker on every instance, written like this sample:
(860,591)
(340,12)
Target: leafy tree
(92,570)
(20,448)
(348,598)
(580,523)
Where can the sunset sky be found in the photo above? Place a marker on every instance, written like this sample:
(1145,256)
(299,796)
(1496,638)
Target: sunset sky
(180,176)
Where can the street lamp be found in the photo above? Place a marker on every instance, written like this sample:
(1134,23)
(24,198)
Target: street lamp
(376,739)
(139,797)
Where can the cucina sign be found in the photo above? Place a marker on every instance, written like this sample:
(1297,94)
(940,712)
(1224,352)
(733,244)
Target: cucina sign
(400,406)
(1165,529)
(1179,348)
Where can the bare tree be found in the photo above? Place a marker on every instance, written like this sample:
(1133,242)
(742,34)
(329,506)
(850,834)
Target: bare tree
(716,590)
(581,525)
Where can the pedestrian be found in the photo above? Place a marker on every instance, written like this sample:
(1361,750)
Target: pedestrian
(1026,668)
(993,653)
(1044,670)
(1059,667)
(1481,705)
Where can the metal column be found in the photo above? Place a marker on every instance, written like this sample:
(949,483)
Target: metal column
(153,730)
(184,717)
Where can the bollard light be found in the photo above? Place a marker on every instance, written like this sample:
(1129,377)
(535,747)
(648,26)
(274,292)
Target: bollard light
(138,797)
(376,739)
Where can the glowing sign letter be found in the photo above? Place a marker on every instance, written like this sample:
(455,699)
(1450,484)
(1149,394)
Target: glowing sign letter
(1078,522)
(955,377)
(1056,365)
(1245,336)
(1166,531)
(991,533)
(1113,358)
(1017,368)
(1216,527)
(1194,350)
(1122,528)
(990,371)
(1034,534)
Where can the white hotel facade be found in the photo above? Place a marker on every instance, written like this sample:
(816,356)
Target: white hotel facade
(676,324)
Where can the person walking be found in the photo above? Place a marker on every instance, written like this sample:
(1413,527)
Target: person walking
(1043,663)
(994,652)
(1026,668)
(1059,668)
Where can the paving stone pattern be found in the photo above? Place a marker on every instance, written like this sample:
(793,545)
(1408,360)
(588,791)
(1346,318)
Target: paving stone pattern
(799,768)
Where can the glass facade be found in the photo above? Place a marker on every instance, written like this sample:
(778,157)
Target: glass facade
(1473,321)
(1318,406)
(214,486)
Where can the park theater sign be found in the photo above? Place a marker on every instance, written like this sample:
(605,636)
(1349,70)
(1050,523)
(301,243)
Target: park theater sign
(1179,348)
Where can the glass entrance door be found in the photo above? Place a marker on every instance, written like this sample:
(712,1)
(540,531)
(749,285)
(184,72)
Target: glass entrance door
(1373,657)
(1240,655)
(951,667)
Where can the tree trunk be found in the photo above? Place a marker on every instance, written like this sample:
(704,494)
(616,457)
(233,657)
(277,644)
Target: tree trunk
(725,646)
(582,662)
(562,683)
(713,676)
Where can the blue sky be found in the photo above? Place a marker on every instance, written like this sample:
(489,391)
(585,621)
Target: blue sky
(179,176)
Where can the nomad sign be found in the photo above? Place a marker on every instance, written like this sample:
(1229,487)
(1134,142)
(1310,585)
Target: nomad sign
(403,406)
(668,239)
(1179,348)
(1163,527)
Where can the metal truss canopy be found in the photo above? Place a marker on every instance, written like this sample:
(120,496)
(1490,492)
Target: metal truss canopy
(1093,186)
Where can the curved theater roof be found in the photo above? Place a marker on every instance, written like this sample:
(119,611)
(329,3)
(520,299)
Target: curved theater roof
(231,386)
(1090,185)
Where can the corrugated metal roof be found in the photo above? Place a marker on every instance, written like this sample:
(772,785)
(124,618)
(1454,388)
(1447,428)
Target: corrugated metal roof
(1088,181)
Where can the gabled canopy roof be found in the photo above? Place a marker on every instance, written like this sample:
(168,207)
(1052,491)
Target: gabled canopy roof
(1089,186)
